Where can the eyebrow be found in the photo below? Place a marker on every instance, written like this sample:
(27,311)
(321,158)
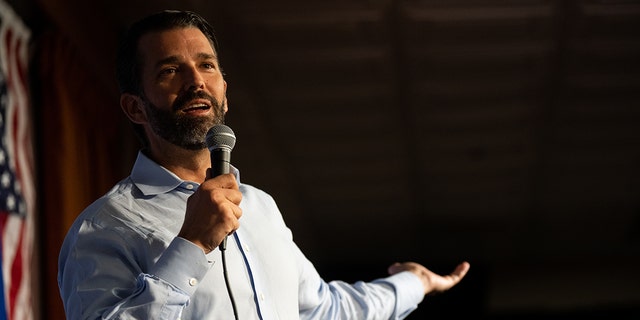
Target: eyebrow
(175,59)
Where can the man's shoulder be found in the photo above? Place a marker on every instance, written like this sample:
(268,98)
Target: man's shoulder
(118,195)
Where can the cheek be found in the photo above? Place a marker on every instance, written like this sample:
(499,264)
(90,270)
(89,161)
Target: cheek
(160,97)
(216,83)
(218,90)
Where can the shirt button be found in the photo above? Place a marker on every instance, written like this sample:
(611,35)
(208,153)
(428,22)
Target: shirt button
(189,186)
(193,282)
(261,297)
(247,248)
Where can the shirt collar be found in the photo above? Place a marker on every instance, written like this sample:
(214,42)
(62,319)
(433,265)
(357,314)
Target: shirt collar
(152,178)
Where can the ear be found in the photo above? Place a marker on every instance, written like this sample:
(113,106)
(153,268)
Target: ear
(133,108)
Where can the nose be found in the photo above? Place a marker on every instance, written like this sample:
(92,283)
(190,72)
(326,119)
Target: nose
(193,79)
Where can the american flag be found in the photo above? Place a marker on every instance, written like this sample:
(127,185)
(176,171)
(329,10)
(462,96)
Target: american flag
(17,197)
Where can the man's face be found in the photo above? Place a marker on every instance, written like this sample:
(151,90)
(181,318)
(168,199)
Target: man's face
(183,87)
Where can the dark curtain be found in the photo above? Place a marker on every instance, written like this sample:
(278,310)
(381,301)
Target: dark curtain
(84,146)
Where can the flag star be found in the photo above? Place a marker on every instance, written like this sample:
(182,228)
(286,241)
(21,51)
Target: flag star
(5,180)
(11,202)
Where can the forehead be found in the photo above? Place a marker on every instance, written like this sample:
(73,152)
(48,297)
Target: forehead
(181,42)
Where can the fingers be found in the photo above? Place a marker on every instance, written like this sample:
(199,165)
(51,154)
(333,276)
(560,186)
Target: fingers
(460,271)
(212,212)
(432,282)
(223,182)
(408,266)
(224,196)
(394,268)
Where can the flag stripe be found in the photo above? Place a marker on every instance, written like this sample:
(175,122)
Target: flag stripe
(17,203)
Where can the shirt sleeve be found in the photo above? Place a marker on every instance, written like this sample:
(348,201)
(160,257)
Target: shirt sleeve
(101,278)
(409,292)
(393,297)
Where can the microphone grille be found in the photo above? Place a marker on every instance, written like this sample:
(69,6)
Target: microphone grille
(220,136)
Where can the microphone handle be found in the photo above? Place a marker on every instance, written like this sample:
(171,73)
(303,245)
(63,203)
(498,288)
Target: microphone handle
(220,159)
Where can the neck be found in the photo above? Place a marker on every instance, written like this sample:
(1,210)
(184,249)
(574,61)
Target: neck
(189,165)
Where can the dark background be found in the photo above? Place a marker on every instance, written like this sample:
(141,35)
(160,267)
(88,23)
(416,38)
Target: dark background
(504,133)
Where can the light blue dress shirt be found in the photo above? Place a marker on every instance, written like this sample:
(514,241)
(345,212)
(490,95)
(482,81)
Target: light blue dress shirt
(121,259)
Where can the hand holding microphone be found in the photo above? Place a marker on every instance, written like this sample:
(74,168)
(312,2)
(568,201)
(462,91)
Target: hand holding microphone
(213,210)
(220,141)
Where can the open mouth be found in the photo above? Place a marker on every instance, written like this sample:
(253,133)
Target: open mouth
(199,107)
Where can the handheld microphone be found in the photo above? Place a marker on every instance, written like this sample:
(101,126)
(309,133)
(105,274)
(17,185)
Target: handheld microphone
(220,141)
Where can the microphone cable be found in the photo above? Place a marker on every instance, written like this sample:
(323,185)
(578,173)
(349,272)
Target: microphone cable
(223,249)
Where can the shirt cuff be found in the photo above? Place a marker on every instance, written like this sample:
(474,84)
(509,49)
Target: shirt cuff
(183,264)
(409,292)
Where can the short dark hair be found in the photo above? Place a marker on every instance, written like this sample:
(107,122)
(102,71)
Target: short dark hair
(129,61)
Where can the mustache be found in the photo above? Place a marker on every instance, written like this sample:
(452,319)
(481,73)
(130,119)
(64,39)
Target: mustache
(182,100)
